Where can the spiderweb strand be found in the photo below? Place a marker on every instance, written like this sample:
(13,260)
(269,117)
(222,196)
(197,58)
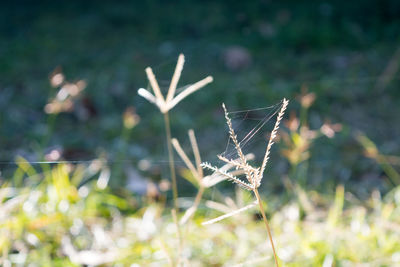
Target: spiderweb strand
(244,141)
(250,134)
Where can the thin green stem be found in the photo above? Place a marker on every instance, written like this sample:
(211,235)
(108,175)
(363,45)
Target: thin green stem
(391,172)
(303,116)
(171,161)
(266,225)
(51,120)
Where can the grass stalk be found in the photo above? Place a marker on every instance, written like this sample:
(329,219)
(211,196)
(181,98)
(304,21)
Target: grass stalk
(166,104)
(253,175)
(196,204)
(171,161)
(179,236)
(266,224)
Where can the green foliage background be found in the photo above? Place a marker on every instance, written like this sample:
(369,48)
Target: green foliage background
(339,50)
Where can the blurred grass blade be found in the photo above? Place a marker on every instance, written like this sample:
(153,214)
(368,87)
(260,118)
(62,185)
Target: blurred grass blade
(336,210)
(372,151)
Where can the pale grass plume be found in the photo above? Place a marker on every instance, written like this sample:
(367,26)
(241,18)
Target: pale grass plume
(233,136)
(253,175)
(218,206)
(230,214)
(229,207)
(166,104)
(272,137)
(215,178)
(196,170)
(170,101)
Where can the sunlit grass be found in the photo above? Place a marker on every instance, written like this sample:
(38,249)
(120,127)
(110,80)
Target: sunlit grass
(52,219)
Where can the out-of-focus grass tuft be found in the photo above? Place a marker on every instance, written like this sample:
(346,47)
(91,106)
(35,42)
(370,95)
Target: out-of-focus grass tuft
(63,216)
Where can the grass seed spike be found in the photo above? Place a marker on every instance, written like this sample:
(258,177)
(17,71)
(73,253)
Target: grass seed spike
(167,103)
(253,175)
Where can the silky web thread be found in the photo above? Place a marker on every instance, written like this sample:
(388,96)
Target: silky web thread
(248,137)
(242,115)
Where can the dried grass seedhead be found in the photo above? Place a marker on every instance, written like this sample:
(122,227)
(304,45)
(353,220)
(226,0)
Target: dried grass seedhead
(165,104)
(253,175)
(196,170)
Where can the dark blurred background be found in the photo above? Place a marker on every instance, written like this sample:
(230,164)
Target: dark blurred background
(345,52)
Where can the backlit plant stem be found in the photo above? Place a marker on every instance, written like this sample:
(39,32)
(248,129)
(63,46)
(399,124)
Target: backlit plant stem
(266,224)
(197,199)
(171,160)
(166,104)
(253,175)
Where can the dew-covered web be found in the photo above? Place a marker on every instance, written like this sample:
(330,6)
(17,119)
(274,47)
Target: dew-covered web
(252,128)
